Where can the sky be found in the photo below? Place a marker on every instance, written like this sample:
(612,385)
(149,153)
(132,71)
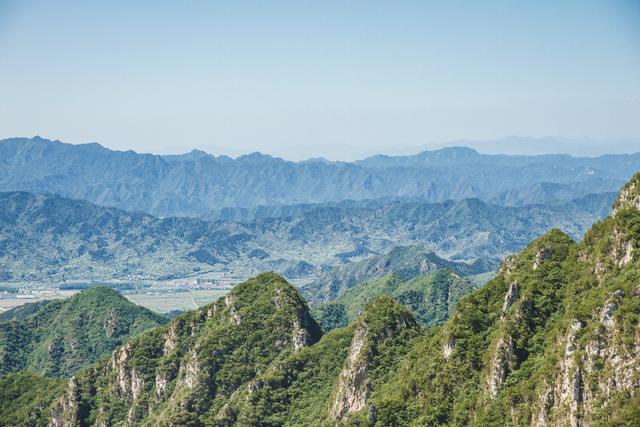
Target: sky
(338,79)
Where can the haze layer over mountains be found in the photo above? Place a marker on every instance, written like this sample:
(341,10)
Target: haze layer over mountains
(170,216)
(197,183)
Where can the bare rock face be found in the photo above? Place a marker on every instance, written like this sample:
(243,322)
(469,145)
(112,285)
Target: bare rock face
(301,337)
(568,386)
(607,353)
(622,249)
(110,324)
(629,197)
(500,365)
(234,316)
(508,266)
(511,296)
(541,256)
(189,371)
(448,347)
(353,388)
(65,412)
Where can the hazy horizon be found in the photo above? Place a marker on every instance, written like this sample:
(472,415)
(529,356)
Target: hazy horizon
(339,80)
(509,145)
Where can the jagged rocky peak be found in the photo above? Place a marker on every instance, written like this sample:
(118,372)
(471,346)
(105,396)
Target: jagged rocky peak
(629,197)
(383,321)
(199,360)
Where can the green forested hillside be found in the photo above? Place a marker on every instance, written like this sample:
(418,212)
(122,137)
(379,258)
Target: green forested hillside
(60,337)
(430,297)
(27,399)
(406,262)
(553,339)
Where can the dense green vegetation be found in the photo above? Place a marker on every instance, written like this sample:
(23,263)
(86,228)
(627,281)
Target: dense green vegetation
(57,338)
(200,359)
(553,339)
(430,297)
(405,262)
(26,399)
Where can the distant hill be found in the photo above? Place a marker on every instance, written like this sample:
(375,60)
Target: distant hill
(196,183)
(60,337)
(49,236)
(537,146)
(405,262)
(430,297)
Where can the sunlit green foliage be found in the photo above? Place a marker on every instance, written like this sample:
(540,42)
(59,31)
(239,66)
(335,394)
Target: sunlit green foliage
(60,337)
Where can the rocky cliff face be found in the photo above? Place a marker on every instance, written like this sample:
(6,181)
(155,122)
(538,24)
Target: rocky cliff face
(553,340)
(371,336)
(184,373)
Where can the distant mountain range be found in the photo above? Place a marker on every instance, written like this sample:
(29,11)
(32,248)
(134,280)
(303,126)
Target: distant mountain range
(47,236)
(520,145)
(197,183)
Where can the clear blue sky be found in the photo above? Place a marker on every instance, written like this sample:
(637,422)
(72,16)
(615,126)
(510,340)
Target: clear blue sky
(299,79)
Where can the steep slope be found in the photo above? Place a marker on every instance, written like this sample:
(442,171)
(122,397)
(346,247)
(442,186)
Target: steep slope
(27,399)
(332,381)
(406,262)
(553,340)
(196,183)
(184,373)
(50,237)
(430,298)
(61,337)
(22,311)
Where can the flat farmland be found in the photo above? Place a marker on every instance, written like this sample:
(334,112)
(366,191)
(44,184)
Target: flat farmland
(166,301)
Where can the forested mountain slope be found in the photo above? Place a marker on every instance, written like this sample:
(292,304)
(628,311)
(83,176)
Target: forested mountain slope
(405,262)
(60,337)
(430,298)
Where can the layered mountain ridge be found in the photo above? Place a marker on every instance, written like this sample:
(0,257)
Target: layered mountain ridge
(51,237)
(197,183)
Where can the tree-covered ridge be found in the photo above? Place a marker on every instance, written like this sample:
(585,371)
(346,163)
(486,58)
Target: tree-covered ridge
(553,340)
(430,297)
(27,399)
(185,372)
(405,262)
(61,337)
(331,382)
